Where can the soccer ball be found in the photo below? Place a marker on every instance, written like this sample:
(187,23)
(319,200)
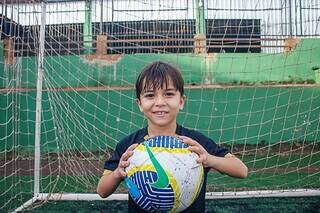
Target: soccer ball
(163,175)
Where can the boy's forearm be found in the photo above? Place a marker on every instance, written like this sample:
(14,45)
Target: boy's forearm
(108,184)
(231,166)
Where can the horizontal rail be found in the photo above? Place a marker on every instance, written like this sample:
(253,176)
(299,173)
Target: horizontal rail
(209,196)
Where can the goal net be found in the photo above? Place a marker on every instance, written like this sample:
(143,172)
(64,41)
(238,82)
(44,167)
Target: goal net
(67,73)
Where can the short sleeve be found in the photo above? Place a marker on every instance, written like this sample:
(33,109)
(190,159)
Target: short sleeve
(113,162)
(213,149)
(122,146)
(207,143)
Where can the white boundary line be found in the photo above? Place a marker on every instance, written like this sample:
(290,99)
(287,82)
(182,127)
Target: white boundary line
(209,196)
(263,193)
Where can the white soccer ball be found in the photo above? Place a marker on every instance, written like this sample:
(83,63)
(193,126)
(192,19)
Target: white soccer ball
(163,175)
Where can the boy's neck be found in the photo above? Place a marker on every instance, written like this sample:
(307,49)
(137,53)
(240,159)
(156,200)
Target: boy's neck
(167,130)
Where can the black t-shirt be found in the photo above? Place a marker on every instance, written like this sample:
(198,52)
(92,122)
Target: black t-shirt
(138,137)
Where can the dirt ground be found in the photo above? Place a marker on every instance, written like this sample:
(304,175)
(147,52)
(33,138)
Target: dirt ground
(76,163)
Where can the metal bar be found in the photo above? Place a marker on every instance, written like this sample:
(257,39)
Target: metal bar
(36,1)
(290,18)
(244,10)
(56,11)
(87,28)
(264,193)
(209,195)
(191,46)
(296,17)
(152,10)
(26,205)
(189,86)
(200,19)
(301,31)
(192,39)
(38,102)
(101,16)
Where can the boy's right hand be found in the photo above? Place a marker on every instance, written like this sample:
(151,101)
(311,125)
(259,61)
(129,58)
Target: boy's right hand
(123,163)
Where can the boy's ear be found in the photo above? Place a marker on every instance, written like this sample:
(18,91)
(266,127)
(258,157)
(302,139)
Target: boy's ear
(139,104)
(182,100)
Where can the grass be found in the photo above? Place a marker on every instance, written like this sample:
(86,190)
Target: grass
(20,189)
(292,171)
(292,205)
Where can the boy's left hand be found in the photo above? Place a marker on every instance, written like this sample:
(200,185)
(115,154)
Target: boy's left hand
(194,146)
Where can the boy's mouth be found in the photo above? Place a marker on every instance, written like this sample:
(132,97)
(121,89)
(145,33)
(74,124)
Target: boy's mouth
(160,113)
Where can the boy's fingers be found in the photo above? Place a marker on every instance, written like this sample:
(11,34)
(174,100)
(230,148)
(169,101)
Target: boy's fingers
(200,159)
(188,141)
(124,164)
(129,152)
(123,173)
(183,137)
(195,149)
(126,155)
(132,147)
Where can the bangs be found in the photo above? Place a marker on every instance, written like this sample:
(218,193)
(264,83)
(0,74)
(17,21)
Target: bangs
(156,81)
(158,76)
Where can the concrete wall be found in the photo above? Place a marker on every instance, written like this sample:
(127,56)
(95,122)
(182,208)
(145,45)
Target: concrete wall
(252,98)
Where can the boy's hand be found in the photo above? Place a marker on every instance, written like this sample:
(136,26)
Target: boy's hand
(194,146)
(123,163)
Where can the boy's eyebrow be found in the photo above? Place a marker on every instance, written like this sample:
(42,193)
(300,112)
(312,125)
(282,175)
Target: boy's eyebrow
(153,90)
(169,89)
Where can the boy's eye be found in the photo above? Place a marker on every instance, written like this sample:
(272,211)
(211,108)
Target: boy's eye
(169,93)
(148,95)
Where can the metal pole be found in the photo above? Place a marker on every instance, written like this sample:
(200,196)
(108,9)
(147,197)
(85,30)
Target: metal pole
(38,102)
(296,17)
(5,9)
(112,16)
(301,31)
(87,28)
(101,17)
(200,20)
(290,18)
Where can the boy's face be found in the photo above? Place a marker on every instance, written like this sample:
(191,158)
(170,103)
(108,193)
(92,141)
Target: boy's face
(161,105)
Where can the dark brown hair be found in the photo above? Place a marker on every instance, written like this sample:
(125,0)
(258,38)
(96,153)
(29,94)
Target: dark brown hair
(157,75)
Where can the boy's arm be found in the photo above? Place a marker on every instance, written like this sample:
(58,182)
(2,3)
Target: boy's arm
(110,180)
(232,165)
(229,164)
(108,183)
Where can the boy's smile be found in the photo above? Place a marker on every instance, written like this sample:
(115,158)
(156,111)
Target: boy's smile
(161,106)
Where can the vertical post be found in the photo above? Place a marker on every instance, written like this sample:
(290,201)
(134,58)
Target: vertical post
(112,16)
(200,37)
(290,18)
(101,16)
(301,31)
(5,8)
(200,20)
(87,28)
(38,102)
(296,17)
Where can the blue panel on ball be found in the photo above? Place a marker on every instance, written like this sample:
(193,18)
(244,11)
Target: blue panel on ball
(152,199)
(166,142)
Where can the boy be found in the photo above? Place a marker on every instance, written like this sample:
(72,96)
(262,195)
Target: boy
(160,96)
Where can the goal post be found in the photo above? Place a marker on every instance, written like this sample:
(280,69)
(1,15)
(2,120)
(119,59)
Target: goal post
(67,74)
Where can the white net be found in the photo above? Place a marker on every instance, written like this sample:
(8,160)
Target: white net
(252,79)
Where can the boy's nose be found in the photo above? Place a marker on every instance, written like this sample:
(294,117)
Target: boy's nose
(159,100)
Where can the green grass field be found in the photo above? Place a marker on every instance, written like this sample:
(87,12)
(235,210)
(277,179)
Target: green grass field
(292,205)
(293,171)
